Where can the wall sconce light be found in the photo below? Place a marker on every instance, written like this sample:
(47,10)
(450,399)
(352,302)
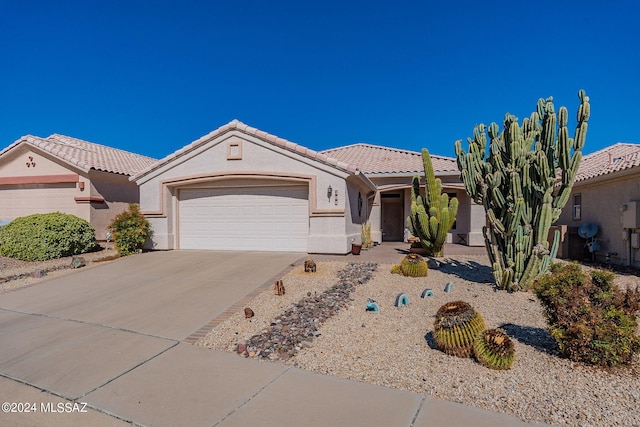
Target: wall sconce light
(329,192)
(623,208)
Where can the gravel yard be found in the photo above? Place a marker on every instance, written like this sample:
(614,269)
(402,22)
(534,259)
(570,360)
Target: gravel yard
(394,347)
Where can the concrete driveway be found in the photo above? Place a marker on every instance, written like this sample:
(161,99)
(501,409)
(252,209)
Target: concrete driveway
(71,335)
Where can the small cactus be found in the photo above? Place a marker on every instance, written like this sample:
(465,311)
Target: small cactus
(412,265)
(494,349)
(456,327)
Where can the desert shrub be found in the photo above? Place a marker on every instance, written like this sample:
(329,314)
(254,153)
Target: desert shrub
(130,230)
(40,237)
(590,319)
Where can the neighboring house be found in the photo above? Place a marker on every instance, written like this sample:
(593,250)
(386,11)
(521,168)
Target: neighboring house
(606,193)
(63,174)
(239,188)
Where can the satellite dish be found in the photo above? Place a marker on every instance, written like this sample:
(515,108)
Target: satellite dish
(587,230)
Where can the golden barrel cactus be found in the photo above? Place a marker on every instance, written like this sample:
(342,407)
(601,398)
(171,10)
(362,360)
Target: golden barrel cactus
(412,265)
(456,326)
(494,349)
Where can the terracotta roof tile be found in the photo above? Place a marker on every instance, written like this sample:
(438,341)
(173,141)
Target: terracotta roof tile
(611,159)
(241,127)
(372,159)
(87,155)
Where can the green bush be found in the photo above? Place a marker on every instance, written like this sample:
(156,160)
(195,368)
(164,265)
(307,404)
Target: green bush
(130,230)
(590,319)
(40,237)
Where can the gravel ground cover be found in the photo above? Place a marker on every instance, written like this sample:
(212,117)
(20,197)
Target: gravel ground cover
(394,347)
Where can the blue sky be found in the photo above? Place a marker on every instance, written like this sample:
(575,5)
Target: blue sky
(152,76)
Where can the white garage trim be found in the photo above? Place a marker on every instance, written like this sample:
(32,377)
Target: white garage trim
(259,218)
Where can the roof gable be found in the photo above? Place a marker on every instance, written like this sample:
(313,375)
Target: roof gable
(617,157)
(238,126)
(86,155)
(375,159)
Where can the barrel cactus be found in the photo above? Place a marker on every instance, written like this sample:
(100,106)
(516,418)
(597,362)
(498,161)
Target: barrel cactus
(433,215)
(494,349)
(412,265)
(456,326)
(523,179)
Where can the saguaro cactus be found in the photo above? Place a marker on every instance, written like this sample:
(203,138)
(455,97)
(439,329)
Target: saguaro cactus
(432,215)
(523,184)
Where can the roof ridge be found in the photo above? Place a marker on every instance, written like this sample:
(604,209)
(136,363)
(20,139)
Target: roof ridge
(236,124)
(60,138)
(611,147)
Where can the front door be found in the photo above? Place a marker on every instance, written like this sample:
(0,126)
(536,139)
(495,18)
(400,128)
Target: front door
(392,217)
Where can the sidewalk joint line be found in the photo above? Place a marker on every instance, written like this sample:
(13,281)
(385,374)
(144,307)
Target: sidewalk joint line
(84,322)
(287,369)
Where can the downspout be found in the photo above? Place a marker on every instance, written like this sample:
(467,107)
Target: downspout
(629,250)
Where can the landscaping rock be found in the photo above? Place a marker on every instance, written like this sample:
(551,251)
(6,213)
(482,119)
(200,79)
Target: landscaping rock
(298,325)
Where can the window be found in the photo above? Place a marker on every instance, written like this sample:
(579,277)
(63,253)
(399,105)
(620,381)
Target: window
(575,211)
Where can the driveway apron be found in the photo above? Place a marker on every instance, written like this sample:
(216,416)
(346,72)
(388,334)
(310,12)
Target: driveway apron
(72,335)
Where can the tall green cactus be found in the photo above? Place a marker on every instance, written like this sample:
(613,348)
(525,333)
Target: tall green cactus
(523,184)
(432,215)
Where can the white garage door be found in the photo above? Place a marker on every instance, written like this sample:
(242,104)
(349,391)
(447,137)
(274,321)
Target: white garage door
(255,218)
(23,200)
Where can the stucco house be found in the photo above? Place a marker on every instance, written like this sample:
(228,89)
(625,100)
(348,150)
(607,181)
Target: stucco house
(606,193)
(69,175)
(239,188)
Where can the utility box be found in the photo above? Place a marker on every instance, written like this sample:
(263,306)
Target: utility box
(631,215)
(635,240)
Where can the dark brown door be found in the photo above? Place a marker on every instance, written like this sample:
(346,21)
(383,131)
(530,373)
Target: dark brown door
(392,219)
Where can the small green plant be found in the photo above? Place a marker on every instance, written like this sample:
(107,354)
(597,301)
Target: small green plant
(455,329)
(590,319)
(41,237)
(130,230)
(412,265)
(494,349)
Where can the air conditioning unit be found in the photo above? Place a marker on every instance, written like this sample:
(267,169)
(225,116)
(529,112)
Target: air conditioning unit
(630,215)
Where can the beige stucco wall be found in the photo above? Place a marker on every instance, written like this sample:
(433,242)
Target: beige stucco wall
(23,199)
(329,227)
(118,192)
(26,199)
(602,199)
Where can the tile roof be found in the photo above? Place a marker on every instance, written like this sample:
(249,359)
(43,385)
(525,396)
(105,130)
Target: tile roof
(241,127)
(87,155)
(374,159)
(611,159)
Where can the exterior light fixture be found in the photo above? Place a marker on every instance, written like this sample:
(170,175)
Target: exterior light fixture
(329,192)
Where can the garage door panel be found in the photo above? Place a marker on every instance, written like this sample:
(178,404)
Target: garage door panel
(259,218)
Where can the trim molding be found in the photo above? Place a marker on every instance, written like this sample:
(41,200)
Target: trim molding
(90,200)
(185,181)
(40,179)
